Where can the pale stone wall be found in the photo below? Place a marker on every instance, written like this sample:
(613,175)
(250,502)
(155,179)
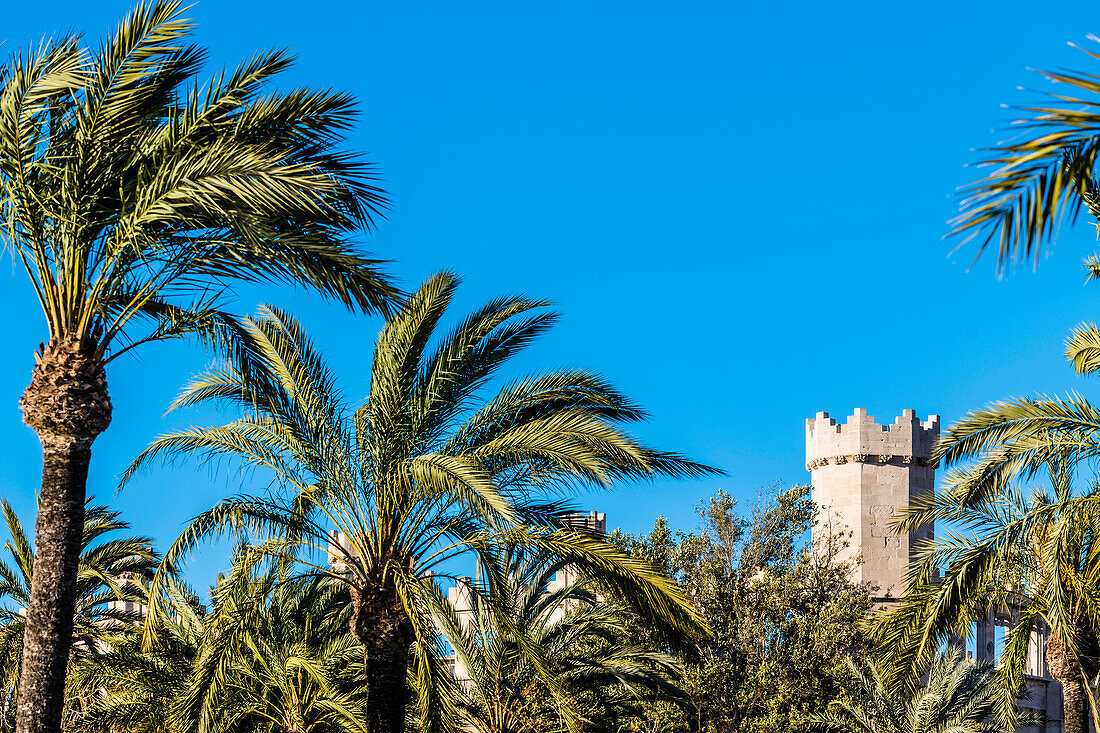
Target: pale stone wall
(460,598)
(864,473)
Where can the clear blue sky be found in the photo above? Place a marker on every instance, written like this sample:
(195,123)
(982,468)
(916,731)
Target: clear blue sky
(737,206)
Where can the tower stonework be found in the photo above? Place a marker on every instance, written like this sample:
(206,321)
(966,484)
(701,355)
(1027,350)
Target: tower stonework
(863,474)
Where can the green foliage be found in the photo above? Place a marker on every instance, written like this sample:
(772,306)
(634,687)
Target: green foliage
(1047,170)
(537,611)
(785,615)
(273,656)
(278,659)
(131,192)
(425,469)
(124,687)
(1035,553)
(1032,552)
(957,698)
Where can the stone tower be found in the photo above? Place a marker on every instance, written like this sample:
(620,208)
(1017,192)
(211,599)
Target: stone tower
(863,474)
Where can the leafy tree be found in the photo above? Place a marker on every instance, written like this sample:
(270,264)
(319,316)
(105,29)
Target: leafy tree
(108,590)
(534,612)
(421,471)
(133,196)
(958,698)
(785,614)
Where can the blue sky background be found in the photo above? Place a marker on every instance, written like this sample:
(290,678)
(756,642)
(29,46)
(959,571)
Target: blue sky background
(737,206)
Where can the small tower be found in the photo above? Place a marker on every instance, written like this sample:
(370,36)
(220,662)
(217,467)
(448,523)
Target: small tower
(863,475)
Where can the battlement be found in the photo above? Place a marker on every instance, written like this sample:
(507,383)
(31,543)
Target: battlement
(862,440)
(593,522)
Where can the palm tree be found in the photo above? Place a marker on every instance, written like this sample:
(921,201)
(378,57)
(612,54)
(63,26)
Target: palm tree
(125,687)
(108,589)
(1046,170)
(133,195)
(422,471)
(273,656)
(538,602)
(1034,555)
(277,658)
(958,698)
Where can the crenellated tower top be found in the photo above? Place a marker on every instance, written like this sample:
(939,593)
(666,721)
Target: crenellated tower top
(863,475)
(862,440)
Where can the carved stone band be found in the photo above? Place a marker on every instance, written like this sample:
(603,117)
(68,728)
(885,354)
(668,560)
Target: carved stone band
(866,458)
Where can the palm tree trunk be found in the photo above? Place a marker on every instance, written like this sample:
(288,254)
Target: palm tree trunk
(380,624)
(1064,668)
(68,406)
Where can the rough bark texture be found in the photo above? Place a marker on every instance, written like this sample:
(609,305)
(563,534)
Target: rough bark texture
(68,406)
(1075,705)
(381,626)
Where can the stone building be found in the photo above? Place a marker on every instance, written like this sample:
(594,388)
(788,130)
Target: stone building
(863,473)
(460,600)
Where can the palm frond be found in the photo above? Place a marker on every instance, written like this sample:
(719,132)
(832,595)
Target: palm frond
(1039,179)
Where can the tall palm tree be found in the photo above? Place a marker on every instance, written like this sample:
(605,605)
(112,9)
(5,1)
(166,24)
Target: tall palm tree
(1033,555)
(134,196)
(108,589)
(957,698)
(423,470)
(537,602)
(1047,170)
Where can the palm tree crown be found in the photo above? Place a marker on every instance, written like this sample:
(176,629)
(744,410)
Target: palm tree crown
(1047,170)
(125,184)
(273,656)
(124,687)
(277,658)
(423,470)
(957,698)
(1033,553)
(537,602)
